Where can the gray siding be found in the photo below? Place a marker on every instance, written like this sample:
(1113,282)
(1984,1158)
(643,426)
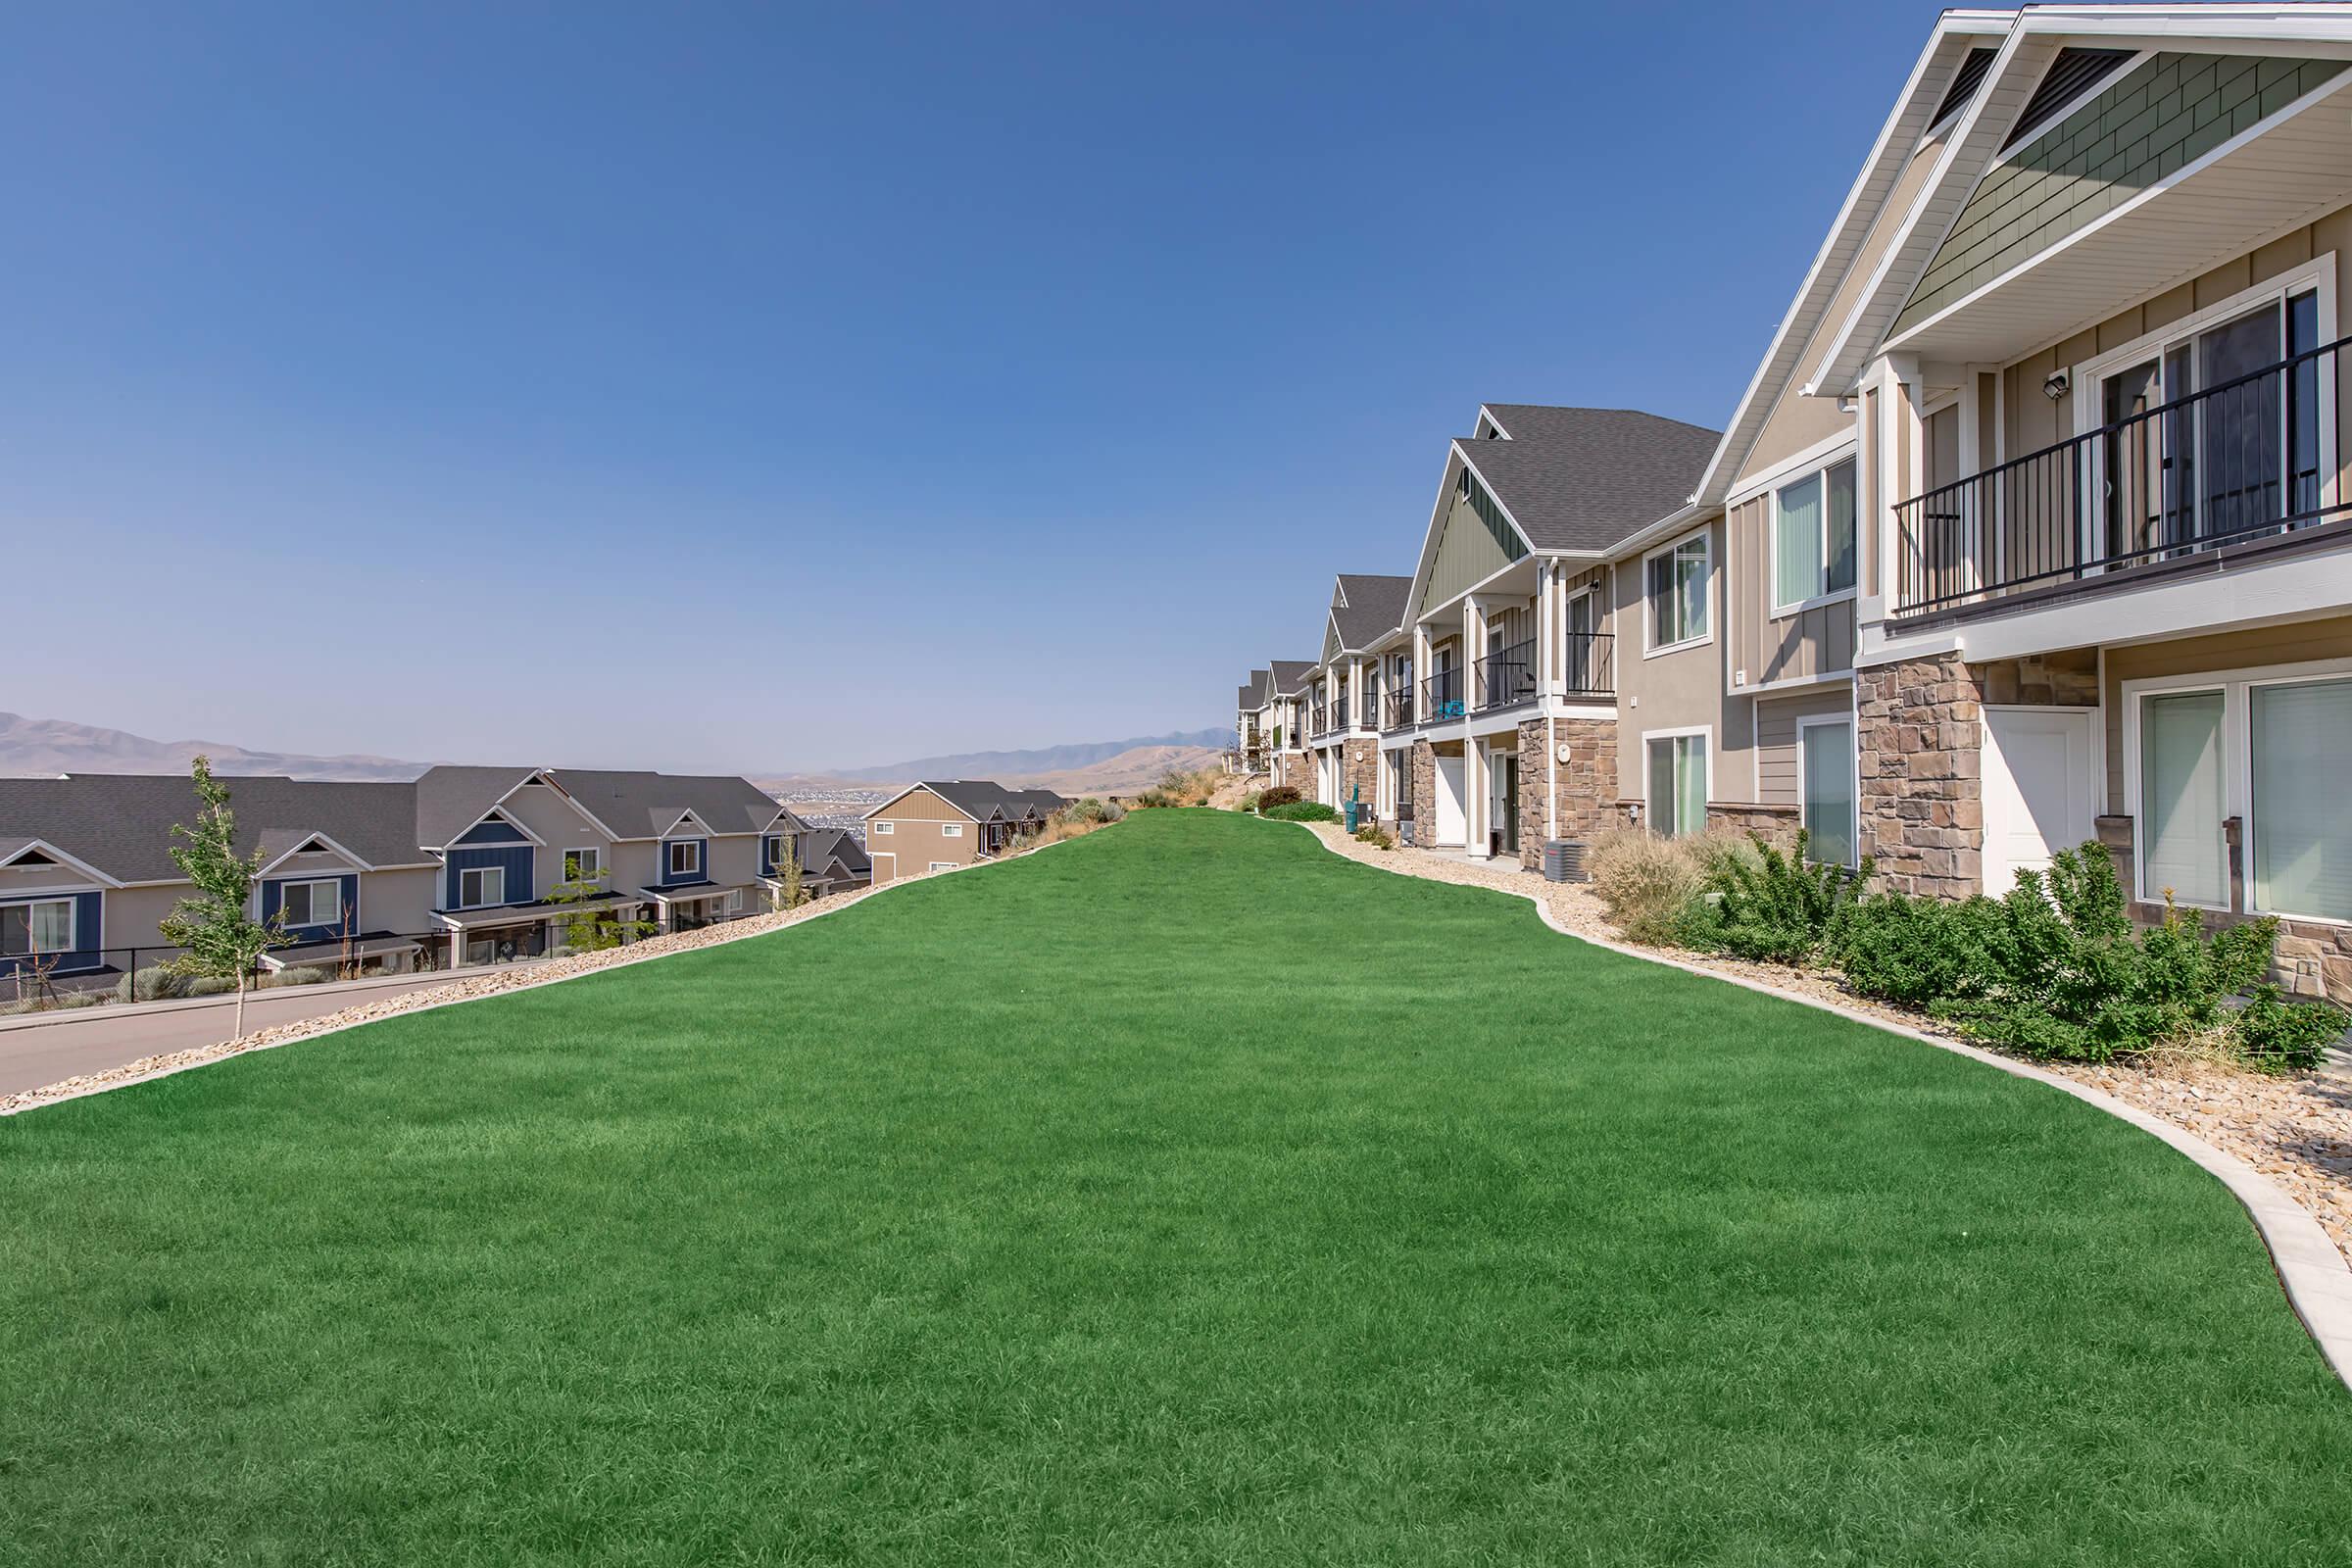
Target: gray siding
(1474,543)
(2170,112)
(1796,646)
(1776,738)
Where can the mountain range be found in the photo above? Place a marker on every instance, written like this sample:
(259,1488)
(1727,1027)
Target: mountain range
(51,746)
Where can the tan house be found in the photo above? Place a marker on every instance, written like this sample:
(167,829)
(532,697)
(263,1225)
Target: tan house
(941,824)
(1346,690)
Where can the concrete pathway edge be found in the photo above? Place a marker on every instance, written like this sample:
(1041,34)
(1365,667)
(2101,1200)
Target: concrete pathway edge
(2313,1272)
(623,958)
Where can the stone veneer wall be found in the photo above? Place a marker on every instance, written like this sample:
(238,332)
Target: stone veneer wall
(1359,770)
(1922,747)
(1587,782)
(1424,793)
(1777,825)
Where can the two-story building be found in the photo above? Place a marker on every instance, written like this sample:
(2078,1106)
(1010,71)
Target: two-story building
(1366,612)
(940,824)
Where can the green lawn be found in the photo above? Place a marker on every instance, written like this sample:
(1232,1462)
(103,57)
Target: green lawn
(1186,1194)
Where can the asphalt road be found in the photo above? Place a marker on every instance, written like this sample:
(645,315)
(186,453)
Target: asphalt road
(91,1041)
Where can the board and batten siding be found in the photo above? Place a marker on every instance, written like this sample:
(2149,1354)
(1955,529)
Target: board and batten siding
(1777,776)
(1474,543)
(1803,645)
(516,860)
(2167,113)
(914,840)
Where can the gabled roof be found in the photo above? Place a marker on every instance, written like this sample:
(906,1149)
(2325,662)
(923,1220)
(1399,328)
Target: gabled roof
(1291,675)
(630,804)
(1253,690)
(1366,609)
(982,800)
(120,823)
(824,847)
(1585,479)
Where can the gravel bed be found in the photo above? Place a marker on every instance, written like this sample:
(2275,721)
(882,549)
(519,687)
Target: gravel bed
(2295,1130)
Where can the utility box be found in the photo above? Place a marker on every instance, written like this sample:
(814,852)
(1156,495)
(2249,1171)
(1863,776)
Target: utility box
(1564,861)
(1354,810)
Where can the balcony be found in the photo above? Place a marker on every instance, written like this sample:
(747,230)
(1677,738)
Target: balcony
(1590,661)
(1504,678)
(2165,490)
(1318,721)
(1398,712)
(1442,695)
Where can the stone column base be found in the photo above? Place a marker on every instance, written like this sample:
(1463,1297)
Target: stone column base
(1585,785)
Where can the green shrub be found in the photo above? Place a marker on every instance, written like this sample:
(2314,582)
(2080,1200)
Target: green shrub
(1152,798)
(1249,800)
(2276,1035)
(1769,906)
(1087,810)
(1914,952)
(1303,811)
(157,984)
(301,976)
(209,985)
(1380,838)
(1277,795)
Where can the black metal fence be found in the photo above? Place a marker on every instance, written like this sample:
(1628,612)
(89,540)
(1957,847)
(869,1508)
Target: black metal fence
(1442,695)
(1590,660)
(1505,677)
(1398,707)
(2240,461)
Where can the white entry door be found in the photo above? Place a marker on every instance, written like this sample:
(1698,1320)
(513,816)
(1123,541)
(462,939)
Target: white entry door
(2041,787)
(1451,792)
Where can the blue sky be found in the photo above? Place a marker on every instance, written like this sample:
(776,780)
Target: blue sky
(708,388)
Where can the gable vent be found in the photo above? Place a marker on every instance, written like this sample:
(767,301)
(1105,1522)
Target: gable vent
(1964,82)
(2072,74)
(33,857)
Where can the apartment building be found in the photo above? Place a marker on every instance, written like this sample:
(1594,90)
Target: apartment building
(2030,527)
(1345,692)
(940,824)
(459,866)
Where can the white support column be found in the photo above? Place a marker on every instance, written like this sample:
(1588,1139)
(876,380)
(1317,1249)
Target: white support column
(1421,673)
(1474,761)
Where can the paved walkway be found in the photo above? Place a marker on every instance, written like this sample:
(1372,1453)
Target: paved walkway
(67,1046)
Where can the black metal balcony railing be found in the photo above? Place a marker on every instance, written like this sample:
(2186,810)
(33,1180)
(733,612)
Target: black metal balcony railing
(1442,695)
(1505,677)
(1590,663)
(1397,710)
(1318,720)
(2237,461)
(1368,708)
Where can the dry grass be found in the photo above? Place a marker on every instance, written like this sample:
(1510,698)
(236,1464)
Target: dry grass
(1647,881)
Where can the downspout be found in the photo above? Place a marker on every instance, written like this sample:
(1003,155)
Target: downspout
(1552,731)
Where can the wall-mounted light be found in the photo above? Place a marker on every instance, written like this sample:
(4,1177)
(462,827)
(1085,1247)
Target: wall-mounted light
(2056,384)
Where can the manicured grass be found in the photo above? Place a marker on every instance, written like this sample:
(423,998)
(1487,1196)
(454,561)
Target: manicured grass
(1183,1195)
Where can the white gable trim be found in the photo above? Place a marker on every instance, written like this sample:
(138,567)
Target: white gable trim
(935,795)
(72,862)
(307,839)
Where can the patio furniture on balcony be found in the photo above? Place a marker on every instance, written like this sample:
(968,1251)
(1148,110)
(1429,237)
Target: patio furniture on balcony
(1442,693)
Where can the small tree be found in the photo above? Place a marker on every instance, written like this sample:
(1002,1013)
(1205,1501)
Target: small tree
(223,941)
(786,895)
(591,930)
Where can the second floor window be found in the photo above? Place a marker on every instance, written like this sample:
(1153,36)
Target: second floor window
(1675,582)
(583,865)
(951,830)
(1813,537)
(481,887)
(686,858)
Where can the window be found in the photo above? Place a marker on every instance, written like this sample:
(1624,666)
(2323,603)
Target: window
(883,829)
(686,858)
(1678,785)
(583,865)
(1825,754)
(2300,740)
(26,929)
(943,865)
(2182,794)
(317,903)
(1813,537)
(951,830)
(1675,585)
(481,887)
(773,848)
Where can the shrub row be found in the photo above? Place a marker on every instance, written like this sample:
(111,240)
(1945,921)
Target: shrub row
(2052,969)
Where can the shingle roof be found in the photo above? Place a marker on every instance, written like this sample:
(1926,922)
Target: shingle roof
(634,804)
(1375,607)
(1254,695)
(121,823)
(984,799)
(1291,675)
(1587,478)
(825,846)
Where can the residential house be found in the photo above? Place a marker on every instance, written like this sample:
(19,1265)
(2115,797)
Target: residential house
(461,865)
(833,861)
(1284,722)
(940,824)
(1252,741)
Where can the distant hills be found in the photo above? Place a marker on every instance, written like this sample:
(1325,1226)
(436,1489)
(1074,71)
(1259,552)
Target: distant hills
(51,746)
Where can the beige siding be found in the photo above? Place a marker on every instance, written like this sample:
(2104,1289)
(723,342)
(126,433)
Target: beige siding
(1767,647)
(1777,776)
(914,839)
(2295,643)
(1467,555)
(1679,690)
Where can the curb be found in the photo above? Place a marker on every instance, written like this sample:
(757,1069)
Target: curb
(2311,1271)
(829,906)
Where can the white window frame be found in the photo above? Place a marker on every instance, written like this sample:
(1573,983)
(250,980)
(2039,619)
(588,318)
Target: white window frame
(734,901)
(669,857)
(1853,750)
(286,891)
(2088,378)
(951,830)
(483,873)
(771,845)
(1772,538)
(883,827)
(73,924)
(1707,770)
(943,865)
(593,867)
(1705,535)
(2237,765)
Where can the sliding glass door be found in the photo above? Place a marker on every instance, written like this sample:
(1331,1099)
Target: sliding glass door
(2299,740)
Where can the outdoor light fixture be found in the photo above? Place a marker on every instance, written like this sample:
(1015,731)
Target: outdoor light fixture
(2055,387)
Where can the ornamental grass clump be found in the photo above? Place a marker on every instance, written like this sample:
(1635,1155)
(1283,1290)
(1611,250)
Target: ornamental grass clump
(1649,883)
(1380,838)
